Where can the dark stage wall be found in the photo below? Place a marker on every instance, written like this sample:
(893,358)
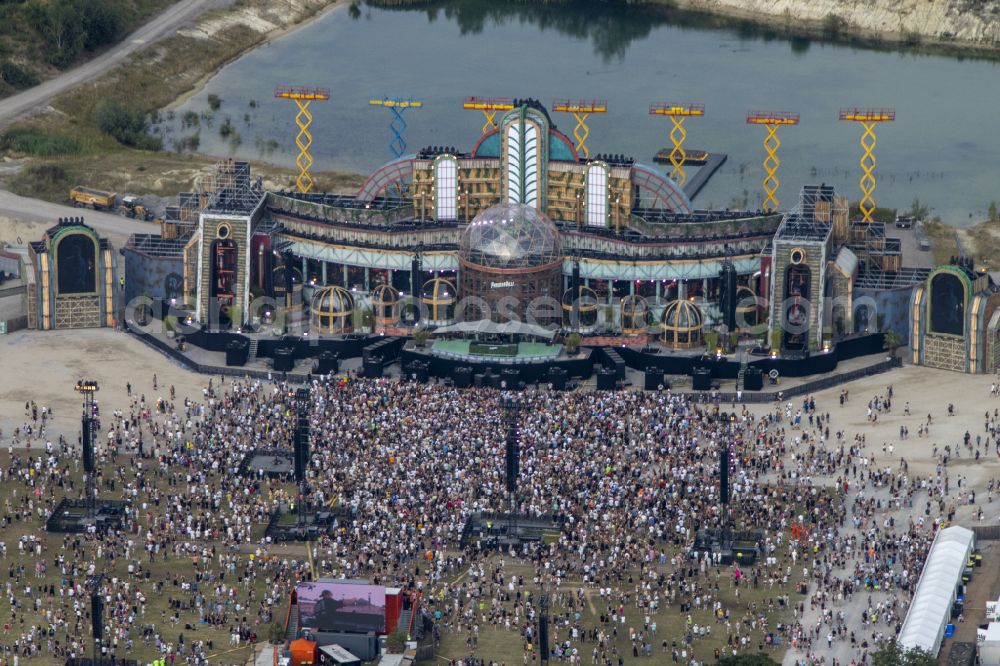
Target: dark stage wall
(815,364)
(391,349)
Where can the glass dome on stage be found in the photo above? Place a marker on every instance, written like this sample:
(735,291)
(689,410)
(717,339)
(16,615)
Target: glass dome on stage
(510,266)
(510,236)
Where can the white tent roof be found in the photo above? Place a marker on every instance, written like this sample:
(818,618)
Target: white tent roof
(930,610)
(505,328)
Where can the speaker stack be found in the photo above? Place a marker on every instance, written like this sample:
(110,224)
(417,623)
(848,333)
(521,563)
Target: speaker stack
(513,459)
(283,360)
(420,371)
(607,379)
(557,378)
(237,352)
(701,379)
(97,615)
(327,363)
(543,636)
(302,432)
(753,379)
(88,445)
(724,473)
(372,367)
(654,379)
(462,376)
(512,377)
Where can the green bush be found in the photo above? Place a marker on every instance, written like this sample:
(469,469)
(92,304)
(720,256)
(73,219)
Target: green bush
(573,342)
(214,101)
(396,641)
(18,77)
(275,633)
(102,23)
(711,340)
(36,142)
(70,27)
(127,126)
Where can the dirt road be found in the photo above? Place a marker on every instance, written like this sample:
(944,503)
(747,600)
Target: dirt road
(33,216)
(157,28)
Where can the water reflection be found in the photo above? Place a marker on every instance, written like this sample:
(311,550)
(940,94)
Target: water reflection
(610,27)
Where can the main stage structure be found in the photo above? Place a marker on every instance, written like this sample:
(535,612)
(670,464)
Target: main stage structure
(615,245)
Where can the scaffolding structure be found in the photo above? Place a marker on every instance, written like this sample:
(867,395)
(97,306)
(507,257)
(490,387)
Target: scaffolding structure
(303,97)
(156,246)
(489,106)
(580,109)
(771,120)
(228,189)
(868,118)
(677,113)
(397,126)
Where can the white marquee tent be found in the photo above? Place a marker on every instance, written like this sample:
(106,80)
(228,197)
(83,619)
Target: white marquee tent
(930,610)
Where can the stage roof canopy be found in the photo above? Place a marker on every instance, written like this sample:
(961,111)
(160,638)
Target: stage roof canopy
(494,328)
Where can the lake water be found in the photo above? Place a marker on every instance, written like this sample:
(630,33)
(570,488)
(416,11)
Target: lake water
(941,149)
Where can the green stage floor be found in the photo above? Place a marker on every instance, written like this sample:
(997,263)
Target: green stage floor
(524,349)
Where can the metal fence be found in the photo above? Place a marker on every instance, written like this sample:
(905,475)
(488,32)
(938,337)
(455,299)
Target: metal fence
(801,389)
(986,532)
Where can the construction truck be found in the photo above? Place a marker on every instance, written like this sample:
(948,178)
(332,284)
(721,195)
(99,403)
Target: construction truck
(133,207)
(85,197)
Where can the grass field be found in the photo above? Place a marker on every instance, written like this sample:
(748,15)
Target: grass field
(493,643)
(173,571)
(502,645)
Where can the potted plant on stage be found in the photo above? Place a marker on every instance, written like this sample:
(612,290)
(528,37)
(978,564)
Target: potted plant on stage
(170,324)
(367,316)
(892,341)
(711,340)
(235,317)
(420,337)
(775,340)
(573,343)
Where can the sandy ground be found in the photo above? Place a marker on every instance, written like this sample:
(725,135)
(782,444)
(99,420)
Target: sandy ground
(928,392)
(45,365)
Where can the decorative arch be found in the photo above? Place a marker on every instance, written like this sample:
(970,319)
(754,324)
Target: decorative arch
(76,255)
(561,149)
(665,191)
(397,171)
(949,292)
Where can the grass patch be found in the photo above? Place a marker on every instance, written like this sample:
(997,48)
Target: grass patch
(37,143)
(127,125)
(500,645)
